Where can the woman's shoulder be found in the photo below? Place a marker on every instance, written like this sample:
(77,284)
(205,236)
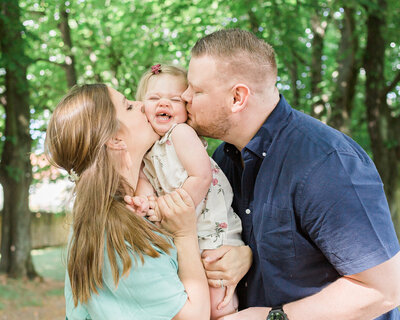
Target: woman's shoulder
(153,262)
(153,279)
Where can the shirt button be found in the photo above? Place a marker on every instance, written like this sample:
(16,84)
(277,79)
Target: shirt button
(245,284)
(264,154)
(248,211)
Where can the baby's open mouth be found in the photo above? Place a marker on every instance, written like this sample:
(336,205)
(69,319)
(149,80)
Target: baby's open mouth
(163,115)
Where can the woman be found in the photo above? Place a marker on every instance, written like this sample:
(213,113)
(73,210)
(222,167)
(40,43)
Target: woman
(120,266)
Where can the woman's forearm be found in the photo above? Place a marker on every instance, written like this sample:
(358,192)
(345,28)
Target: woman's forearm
(179,218)
(193,277)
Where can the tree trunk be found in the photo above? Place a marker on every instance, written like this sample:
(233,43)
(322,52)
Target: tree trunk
(15,166)
(66,36)
(294,76)
(253,20)
(343,96)
(381,125)
(318,27)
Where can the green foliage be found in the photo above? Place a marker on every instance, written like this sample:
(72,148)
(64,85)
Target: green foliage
(212,145)
(116,41)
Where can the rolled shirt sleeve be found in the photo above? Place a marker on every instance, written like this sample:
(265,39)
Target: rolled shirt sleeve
(347,215)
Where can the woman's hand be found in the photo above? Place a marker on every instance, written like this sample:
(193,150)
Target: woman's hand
(178,214)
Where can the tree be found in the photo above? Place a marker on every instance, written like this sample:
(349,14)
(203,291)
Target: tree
(383,125)
(15,166)
(347,73)
(350,66)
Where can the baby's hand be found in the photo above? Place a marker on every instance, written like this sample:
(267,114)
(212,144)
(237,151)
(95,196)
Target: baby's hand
(140,204)
(153,213)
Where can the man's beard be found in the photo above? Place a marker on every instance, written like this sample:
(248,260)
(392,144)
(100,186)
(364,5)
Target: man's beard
(216,128)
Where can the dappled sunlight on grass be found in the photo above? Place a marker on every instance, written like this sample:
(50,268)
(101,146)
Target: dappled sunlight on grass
(38,299)
(50,262)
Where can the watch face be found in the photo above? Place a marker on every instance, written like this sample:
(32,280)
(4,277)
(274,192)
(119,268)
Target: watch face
(276,315)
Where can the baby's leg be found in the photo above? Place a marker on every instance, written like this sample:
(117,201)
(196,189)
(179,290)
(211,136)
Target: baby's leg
(216,296)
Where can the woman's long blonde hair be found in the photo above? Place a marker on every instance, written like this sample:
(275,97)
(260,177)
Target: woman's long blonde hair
(82,123)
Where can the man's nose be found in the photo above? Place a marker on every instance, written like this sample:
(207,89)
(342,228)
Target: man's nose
(186,96)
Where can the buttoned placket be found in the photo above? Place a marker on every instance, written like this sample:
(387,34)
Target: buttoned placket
(247,185)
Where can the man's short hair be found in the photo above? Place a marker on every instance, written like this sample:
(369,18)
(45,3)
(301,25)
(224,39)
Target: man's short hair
(242,50)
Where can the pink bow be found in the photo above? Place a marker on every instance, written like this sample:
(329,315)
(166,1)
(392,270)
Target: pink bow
(156,69)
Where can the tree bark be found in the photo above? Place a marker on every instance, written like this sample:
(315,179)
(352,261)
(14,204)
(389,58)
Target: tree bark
(294,76)
(382,127)
(343,96)
(66,36)
(318,27)
(15,166)
(253,20)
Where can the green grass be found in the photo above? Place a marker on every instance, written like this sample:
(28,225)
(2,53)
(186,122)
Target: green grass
(55,292)
(50,262)
(8,292)
(16,290)
(23,293)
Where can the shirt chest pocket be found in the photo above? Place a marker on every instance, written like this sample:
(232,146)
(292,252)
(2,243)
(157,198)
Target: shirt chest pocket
(276,233)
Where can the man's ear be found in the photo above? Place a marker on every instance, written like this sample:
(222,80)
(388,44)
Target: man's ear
(116,144)
(241,93)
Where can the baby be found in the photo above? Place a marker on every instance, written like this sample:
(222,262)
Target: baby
(180,160)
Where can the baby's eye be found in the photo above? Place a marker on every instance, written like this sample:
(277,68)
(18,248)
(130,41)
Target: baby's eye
(153,98)
(176,99)
(130,107)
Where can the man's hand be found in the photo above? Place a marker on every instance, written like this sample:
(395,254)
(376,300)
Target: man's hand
(254,313)
(228,264)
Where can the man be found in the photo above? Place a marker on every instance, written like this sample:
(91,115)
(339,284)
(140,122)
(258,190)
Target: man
(311,202)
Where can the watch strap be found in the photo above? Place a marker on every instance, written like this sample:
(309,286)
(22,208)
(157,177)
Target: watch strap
(277,313)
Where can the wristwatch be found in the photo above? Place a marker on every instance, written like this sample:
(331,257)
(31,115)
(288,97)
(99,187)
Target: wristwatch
(277,313)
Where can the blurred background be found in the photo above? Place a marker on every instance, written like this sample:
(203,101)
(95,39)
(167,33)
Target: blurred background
(338,61)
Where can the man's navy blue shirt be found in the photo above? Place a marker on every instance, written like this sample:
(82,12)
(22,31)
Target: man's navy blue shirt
(312,207)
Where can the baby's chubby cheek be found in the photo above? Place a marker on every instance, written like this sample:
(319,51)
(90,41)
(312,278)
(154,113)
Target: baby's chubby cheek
(146,109)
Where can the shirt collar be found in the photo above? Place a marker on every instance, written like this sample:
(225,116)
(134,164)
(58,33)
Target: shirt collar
(261,141)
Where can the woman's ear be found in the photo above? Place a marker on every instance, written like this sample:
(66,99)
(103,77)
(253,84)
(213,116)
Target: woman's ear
(241,93)
(116,144)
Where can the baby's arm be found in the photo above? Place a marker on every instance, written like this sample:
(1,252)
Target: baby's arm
(144,187)
(140,202)
(195,160)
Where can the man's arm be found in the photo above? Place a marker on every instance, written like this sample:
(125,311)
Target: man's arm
(364,295)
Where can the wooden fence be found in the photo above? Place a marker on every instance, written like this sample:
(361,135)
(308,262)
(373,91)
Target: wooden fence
(48,229)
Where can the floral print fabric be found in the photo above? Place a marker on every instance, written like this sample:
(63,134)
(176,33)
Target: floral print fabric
(217,223)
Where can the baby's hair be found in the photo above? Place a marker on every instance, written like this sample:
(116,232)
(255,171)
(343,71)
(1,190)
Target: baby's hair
(164,69)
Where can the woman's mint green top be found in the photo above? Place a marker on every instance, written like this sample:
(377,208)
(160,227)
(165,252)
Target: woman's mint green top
(151,291)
